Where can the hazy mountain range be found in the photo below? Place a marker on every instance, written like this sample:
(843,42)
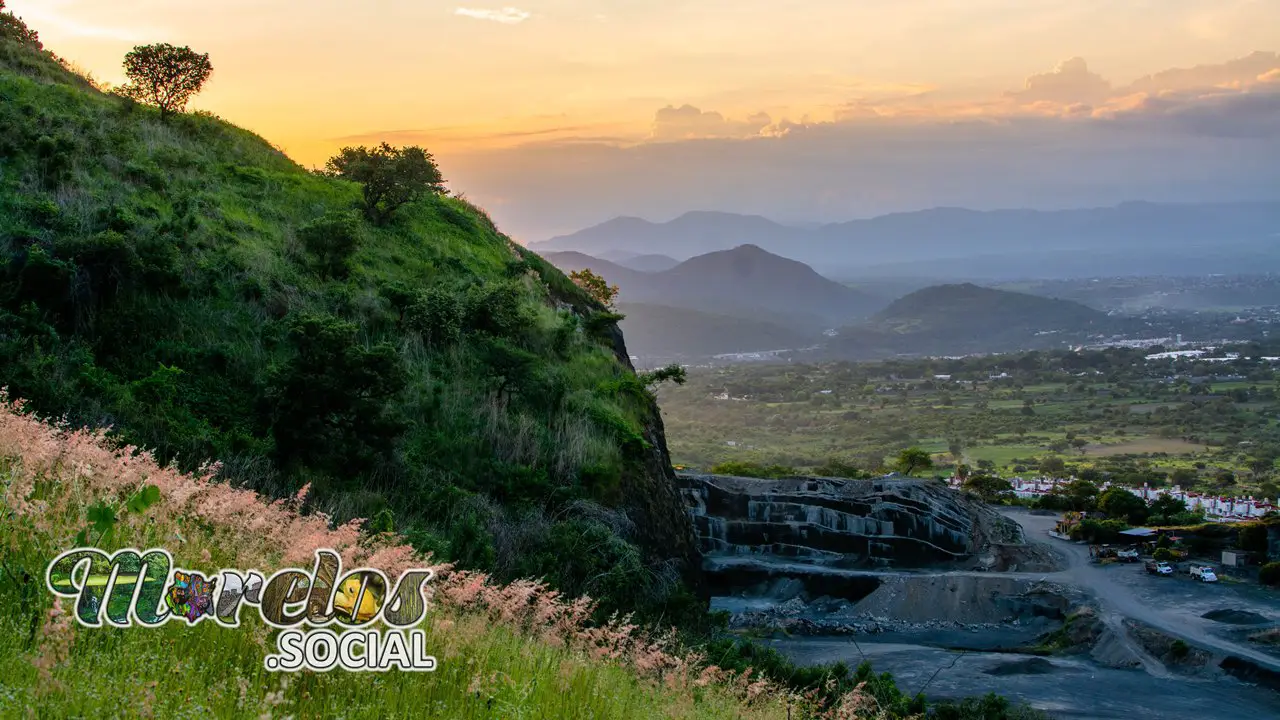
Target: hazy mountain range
(747,300)
(745,281)
(1135,238)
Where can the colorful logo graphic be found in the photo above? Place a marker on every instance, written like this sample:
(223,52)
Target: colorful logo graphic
(190,596)
(134,588)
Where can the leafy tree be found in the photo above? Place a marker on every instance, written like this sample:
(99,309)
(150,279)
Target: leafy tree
(331,400)
(990,488)
(596,286)
(165,76)
(390,177)
(1053,466)
(1167,505)
(956,448)
(1082,494)
(1262,463)
(1252,538)
(1183,477)
(674,373)
(438,315)
(752,469)
(1269,490)
(1270,574)
(1163,554)
(12,26)
(510,367)
(1098,531)
(332,240)
(912,459)
(1119,503)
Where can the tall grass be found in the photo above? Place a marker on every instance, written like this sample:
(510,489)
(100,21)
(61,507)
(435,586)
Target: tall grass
(504,651)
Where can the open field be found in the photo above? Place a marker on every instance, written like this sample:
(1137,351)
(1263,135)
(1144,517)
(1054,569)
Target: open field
(1113,413)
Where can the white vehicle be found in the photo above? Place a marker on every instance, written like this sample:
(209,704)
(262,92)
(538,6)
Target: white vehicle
(1128,555)
(1164,568)
(1203,573)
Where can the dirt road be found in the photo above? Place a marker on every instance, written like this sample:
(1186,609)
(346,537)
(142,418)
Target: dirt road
(1172,605)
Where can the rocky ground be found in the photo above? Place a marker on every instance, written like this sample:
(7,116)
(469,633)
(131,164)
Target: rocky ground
(931,584)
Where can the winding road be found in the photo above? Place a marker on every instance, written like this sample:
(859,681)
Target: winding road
(1171,605)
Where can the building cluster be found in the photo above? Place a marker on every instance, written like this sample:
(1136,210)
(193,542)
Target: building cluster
(1215,507)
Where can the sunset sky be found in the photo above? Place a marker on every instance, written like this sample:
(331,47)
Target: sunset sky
(556,114)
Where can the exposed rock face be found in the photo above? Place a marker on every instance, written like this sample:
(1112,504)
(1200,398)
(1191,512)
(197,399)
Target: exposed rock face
(652,497)
(843,523)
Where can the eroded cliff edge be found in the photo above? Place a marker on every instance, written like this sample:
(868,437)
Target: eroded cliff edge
(843,523)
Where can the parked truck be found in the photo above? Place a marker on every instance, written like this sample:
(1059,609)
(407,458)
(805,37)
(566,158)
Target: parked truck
(1159,568)
(1203,573)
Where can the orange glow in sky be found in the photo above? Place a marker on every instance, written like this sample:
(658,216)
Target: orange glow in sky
(465,77)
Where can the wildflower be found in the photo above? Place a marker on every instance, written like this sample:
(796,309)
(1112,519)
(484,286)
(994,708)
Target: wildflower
(55,639)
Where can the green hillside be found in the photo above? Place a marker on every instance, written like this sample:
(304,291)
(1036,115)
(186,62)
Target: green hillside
(162,278)
(967,318)
(964,309)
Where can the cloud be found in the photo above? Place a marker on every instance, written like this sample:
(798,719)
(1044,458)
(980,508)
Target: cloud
(836,171)
(1270,76)
(1221,114)
(1071,82)
(506,15)
(1242,71)
(689,123)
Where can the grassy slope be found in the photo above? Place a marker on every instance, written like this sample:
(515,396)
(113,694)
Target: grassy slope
(149,276)
(496,658)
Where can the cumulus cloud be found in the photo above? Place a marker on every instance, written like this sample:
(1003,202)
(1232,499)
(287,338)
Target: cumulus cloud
(689,123)
(1071,82)
(506,15)
(1270,76)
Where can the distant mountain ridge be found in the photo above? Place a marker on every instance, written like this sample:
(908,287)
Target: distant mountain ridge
(747,299)
(1173,238)
(745,281)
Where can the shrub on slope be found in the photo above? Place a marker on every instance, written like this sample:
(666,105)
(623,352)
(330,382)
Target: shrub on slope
(504,650)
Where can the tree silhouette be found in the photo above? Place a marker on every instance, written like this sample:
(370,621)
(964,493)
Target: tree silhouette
(391,177)
(596,286)
(165,76)
(912,459)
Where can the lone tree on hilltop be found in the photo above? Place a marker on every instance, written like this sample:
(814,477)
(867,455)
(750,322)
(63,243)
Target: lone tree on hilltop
(912,459)
(165,76)
(391,177)
(596,286)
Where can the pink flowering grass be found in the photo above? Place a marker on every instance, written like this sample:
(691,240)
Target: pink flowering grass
(51,473)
